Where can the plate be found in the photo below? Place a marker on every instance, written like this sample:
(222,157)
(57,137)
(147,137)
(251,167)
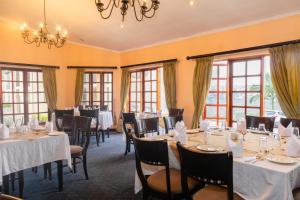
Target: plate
(55,134)
(281,160)
(192,131)
(207,148)
(259,132)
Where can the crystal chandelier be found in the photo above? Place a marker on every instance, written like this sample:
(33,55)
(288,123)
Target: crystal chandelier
(144,10)
(43,36)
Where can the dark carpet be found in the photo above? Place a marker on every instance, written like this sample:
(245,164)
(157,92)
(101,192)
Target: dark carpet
(111,176)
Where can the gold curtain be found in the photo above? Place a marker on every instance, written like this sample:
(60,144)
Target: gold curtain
(125,81)
(201,83)
(169,70)
(49,81)
(79,86)
(285,74)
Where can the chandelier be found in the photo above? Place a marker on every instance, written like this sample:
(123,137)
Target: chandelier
(43,36)
(141,10)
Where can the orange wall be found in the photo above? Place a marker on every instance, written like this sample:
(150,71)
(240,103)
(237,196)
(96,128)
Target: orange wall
(13,49)
(252,35)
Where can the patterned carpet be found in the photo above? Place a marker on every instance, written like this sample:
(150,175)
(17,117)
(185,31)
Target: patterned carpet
(111,176)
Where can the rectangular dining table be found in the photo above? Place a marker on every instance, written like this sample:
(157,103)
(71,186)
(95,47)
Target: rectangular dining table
(27,150)
(258,180)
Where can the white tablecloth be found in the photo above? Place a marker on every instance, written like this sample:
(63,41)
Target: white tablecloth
(260,181)
(105,119)
(21,152)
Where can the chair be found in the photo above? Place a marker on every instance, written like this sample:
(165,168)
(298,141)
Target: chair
(164,184)
(94,114)
(8,197)
(104,108)
(170,122)
(59,116)
(80,140)
(174,112)
(213,169)
(253,121)
(150,125)
(129,125)
(286,121)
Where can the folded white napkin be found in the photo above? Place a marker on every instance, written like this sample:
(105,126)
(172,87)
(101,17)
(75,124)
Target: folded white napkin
(241,126)
(204,125)
(236,148)
(4,131)
(285,132)
(180,132)
(49,126)
(293,146)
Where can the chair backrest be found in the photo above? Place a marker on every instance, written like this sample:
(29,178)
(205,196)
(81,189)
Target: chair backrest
(59,116)
(150,125)
(170,122)
(253,121)
(210,168)
(130,120)
(81,131)
(286,121)
(67,122)
(176,111)
(152,152)
(94,114)
(104,108)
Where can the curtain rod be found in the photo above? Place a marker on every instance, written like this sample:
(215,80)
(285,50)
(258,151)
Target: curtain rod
(149,63)
(30,65)
(92,67)
(244,49)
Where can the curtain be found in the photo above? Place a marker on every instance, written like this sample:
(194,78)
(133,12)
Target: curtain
(79,86)
(169,70)
(285,75)
(201,83)
(49,81)
(125,81)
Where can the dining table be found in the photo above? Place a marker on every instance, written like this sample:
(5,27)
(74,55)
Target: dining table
(22,151)
(257,174)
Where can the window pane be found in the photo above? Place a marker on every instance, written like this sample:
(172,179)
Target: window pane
(222,98)
(211,111)
(18,97)
(32,97)
(238,99)
(107,87)
(33,108)
(253,83)
(32,87)
(147,107)
(7,86)
(239,68)
(7,97)
(96,96)
(6,75)
(96,77)
(138,87)
(18,108)
(147,75)
(43,117)
(107,96)
(211,98)
(32,76)
(222,85)
(18,86)
(253,111)
(154,86)
(253,67)
(238,113)
(8,120)
(42,97)
(40,76)
(238,84)
(147,96)
(253,99)
(41,87)
(154,97)
(154,107)
(133,96)
(222,112)
(222,71)
(107,77)
(86,87)
(43,107)
(18,75)
(214,72)
(147,86)
(86,77)
(7,108)
(213,85)
(153,74)
(138,97)
(85,97)
(133,86)
(96,87)
(133,76)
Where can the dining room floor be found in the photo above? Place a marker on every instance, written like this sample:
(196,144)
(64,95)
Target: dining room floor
(111,176)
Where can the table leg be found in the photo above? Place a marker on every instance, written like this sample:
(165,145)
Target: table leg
(21,182)
(5,185)
(60,175)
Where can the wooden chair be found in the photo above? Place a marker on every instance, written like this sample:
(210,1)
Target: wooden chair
(130,127)
(170,122)
(94,114)
(80,140)
(59,116)
(8,197)
(174,112)
(164,184)
(213,169)
(286,121)
(253,121)
(150,125)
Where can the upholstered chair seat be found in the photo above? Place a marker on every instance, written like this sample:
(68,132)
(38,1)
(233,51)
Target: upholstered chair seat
(76,150)
(213,192)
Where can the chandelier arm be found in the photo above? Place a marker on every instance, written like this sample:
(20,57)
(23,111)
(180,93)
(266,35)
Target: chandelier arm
(150,8)
(108,15)
(150,16)
(117,4)
(135,14)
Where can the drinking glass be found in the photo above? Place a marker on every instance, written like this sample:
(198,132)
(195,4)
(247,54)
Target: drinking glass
(296,131)
(262,127)
(263,144)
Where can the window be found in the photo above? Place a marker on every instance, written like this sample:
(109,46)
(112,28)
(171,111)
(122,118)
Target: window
(146,93)
(241,87)
(23,96)
(98,89)
(216,102)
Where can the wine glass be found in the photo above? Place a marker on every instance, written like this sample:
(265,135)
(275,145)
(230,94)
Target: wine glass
(244,132)
(263,144)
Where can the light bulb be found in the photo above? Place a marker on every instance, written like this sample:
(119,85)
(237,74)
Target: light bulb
(51,36)
(65,32)
(122,25)
(41,25)
(34,33)
(191,2)
(58,28)
(24,25)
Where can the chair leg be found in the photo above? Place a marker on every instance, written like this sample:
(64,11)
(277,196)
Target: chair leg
(145,195)
(12,181)
(103,136)
(50,171)
(126,148)
(74,165)
(97,138)
(85,167)
(5,186)
(107,133)
(21,183)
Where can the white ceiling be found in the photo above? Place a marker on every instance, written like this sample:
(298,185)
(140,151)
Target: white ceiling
(175,19)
